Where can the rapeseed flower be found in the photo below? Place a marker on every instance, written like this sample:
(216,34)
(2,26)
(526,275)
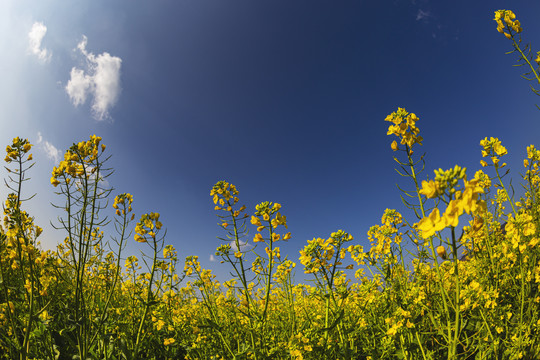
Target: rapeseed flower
(505,21)
(404,127)
(169,341)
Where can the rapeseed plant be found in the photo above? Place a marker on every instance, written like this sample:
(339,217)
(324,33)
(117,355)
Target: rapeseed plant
(459,280)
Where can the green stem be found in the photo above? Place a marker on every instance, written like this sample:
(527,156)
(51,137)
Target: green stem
(504,189)
(413,175)
(516,46)
(149,297)
(457,296)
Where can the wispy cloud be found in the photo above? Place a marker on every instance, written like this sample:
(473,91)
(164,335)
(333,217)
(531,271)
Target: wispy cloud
(421,15)
(35,37)
(50,150)
(213,258)
(100,80)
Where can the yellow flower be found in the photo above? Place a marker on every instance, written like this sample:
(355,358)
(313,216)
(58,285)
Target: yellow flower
(54,181)
(452,213)
(44,316)
(394,146)
(529,229)
(297,354)
(499,149)
(258,238)
(169,341)
(279,220)
(255,221)
(139,238)
(404,127)
(430,189)
(478,222)
(431,224)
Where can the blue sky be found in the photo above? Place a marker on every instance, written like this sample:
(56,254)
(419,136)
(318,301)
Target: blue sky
(284,99)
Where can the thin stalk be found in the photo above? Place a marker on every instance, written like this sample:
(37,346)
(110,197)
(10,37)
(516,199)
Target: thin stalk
(516,46)
(149,296)
(413,175)
(457,297)
(504,189)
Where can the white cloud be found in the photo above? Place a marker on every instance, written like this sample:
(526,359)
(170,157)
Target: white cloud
(101,80)
(244,246)
(35,36)
(50,150)
(422,15)
(212,258)
(78,86)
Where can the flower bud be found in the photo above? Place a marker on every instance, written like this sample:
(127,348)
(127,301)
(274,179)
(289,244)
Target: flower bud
(441,251)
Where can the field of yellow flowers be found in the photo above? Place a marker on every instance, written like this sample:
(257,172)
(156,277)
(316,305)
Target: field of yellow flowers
(459,280)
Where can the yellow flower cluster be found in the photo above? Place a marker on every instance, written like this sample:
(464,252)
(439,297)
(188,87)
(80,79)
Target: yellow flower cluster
(78,161)
(464,201)
(169,252)
(17,221)
(505,20)
(483,179)
(223,192)
(404,126)
(168,341)
(382,236)
(319,253)
(444,180)
(283,270)
(533,155)
(192,263)
(148,225)
(266,210)
(400,318)
(126,200)
(299,345)
(520,230)
(494,149)
(533,172)
(17,149)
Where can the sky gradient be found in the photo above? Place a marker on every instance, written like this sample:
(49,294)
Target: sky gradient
(284,99)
